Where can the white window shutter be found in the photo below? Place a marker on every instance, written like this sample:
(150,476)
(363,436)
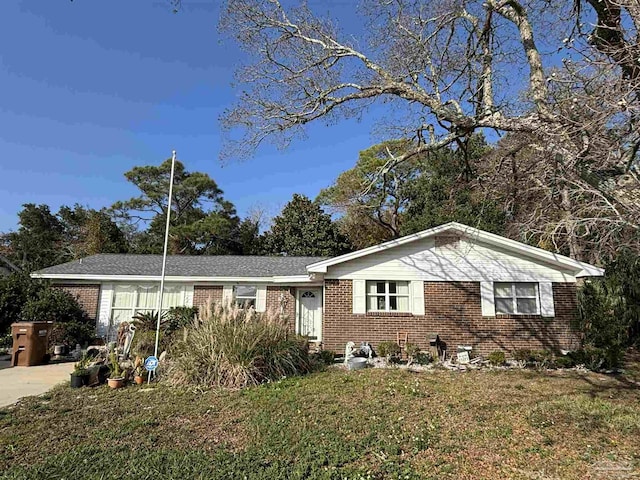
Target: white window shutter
(546,299)
(227,294)
(104,312)
(187,299)
(359,288)
(487,299)
(417,297)
(261,298)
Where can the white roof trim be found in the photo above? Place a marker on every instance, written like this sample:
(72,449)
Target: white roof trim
(580,269)
(191,279)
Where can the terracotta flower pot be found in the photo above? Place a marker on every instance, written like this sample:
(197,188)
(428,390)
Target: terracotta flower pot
(139,379)
(116,382)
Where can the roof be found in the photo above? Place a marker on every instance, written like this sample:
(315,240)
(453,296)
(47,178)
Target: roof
(6,267)
(579,269)
(225,266)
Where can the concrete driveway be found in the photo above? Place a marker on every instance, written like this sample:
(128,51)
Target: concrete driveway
(18,382)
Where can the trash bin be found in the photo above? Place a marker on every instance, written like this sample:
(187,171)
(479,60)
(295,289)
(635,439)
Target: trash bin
(30,341)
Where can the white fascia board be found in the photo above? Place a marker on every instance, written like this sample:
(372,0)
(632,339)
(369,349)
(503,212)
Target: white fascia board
(174,279)
(580,269)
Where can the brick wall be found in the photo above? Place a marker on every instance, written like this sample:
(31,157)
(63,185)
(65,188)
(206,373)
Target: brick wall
(284,297)
(203,293)
(88,296)
(453,311)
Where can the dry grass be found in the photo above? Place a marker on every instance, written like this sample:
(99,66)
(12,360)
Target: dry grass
(336,424)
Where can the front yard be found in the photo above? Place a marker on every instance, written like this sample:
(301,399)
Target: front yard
(335,424)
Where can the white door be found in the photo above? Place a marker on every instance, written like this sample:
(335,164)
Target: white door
(310,313)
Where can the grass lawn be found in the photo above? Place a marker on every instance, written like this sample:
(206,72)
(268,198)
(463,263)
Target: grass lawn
(335,424)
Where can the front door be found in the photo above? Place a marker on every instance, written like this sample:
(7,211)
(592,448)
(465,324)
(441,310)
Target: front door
(310,313)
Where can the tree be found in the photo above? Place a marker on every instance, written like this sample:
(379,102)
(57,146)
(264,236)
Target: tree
(39,240)
(457,67)
(88,232)
(303,229)
(379,203)
(202,221)
(371,195)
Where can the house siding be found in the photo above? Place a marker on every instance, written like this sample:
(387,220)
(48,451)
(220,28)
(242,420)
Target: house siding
(87,296)
(448,258)
(453,311)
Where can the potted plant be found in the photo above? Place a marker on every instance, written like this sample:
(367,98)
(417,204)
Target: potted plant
(138,371)
(116,376)
(80,374)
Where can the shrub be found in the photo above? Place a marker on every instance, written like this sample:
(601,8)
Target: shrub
(422,358)
(179,317)
(389,349)
(497,358)
(594,358)
(15,290)
(325,357)
(564,361)
(71,323)
(227,346)
(534,358)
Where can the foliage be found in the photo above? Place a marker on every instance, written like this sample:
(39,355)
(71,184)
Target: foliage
(38,242)
(89,232)
(15,290)
(202,221)
(303,229)
(80,368)
(325,357)
(423,358)
(71,324)
(233,347)
(609,308)
(6,342)
(115,371)
(497,358)
(557,82)
(179,317)
(388,349)
(72,333)
(44,239)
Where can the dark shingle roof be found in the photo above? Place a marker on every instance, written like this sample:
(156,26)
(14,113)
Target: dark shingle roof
(185,265)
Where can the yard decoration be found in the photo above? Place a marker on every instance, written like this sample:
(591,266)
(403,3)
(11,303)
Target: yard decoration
(116,377)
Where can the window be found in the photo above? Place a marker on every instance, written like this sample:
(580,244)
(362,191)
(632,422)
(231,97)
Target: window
(128,300)
(245,295)
(516,298)
(385,296)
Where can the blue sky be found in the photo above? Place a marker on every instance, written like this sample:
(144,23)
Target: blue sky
(93,88)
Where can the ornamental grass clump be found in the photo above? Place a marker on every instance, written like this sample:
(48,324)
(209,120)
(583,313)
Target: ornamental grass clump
(232,347)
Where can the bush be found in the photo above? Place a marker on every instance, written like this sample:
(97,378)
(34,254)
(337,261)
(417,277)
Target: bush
(71,323)
(15,290)
(325,357)
(534,358)
(388,349)
(422,358)
(594,358)
(497,358)
(179,317)
(6,342)
(228,346)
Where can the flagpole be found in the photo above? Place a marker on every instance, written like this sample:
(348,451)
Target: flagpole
(164,258)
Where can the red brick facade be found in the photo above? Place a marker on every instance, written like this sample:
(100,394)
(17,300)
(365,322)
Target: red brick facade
(203,293)
(453,311)
(88,296)
(283,299)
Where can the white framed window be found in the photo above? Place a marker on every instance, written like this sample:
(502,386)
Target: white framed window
(516,298)
(387,296)
(245,295)
(129,300)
